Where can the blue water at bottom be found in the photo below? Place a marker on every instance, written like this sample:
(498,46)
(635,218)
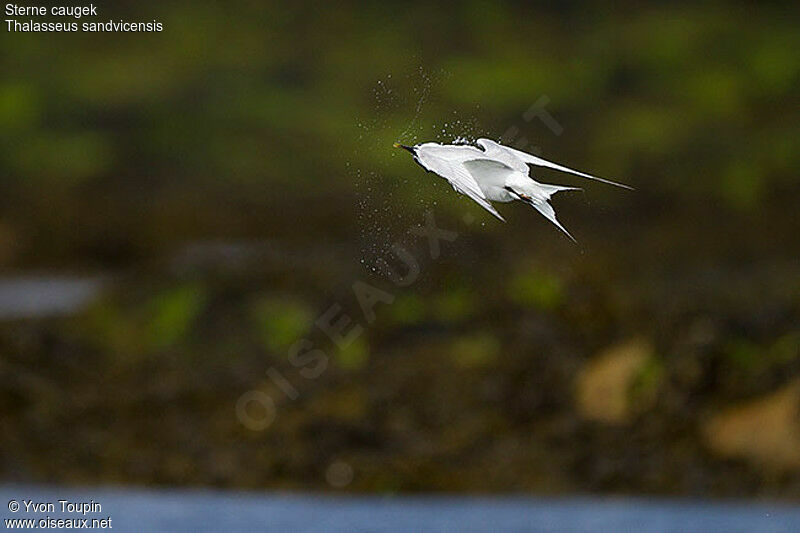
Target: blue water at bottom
(201,510)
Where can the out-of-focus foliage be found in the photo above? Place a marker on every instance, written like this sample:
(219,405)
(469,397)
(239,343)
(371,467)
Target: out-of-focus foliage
(231,104)
(280,322)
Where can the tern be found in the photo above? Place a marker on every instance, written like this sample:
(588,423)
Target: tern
(492,172)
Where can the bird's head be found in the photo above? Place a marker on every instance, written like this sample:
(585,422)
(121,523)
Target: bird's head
(404,147)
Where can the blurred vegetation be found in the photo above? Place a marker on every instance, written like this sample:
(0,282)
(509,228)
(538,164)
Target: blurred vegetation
(270,125)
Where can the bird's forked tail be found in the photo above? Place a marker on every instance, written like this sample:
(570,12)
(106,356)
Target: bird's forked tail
(543,204)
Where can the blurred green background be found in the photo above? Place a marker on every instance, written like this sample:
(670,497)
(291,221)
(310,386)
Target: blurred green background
(227,180)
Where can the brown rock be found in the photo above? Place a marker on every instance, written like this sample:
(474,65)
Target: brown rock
(603,386)
(765,431)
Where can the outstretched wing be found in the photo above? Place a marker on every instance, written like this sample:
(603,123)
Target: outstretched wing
(489,173)
(490,146)
(458,176)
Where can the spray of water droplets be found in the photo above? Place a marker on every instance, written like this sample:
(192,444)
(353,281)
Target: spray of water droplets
(381,220)
(381,215)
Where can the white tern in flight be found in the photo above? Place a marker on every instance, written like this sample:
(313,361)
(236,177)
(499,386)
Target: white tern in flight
(494,173)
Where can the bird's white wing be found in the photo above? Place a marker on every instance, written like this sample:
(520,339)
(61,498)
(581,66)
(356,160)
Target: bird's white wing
(450,152)
(489,173)
(497,152)
(453,170)
(489,145)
